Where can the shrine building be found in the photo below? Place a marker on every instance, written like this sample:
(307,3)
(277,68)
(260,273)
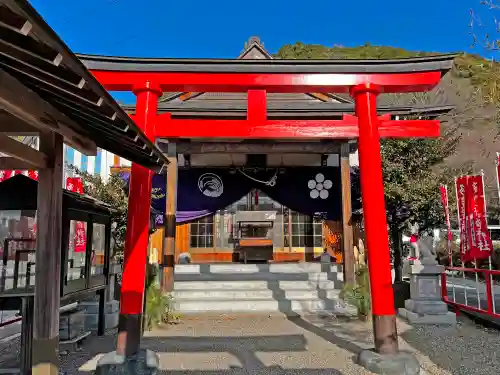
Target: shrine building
(271,230)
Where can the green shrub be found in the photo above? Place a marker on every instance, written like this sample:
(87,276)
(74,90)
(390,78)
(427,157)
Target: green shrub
(159,306)
(156,307)
(359,295)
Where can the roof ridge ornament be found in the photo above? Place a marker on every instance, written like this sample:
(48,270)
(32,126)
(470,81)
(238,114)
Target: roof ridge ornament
(253,40)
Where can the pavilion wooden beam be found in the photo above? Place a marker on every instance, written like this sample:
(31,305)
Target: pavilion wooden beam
(27,106)
(22,152)
(48,258)
(7,163)
(14,126)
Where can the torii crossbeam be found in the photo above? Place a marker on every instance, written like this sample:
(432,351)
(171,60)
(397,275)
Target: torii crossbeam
(364,80)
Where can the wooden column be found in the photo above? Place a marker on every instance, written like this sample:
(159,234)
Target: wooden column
(167,282)
(48,258)
(347,237)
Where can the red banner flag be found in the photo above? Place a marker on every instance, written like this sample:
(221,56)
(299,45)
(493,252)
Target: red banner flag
(461,185)
(75,184)
(481,244)
(475,241)
(5,175)
(80,237)
(33,175)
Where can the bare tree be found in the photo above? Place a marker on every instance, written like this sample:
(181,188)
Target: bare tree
(484,28)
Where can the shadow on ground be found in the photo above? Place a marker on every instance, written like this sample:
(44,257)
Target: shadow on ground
(243,349)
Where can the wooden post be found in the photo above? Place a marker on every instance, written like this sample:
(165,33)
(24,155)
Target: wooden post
(48,258)
(347,237)
(167,282)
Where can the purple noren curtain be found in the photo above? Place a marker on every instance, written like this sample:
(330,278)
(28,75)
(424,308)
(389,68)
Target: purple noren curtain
(308,190)
(203,191)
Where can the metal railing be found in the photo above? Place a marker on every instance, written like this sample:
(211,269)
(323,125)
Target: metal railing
(477,294)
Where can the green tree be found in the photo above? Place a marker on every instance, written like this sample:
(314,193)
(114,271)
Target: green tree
(113,192)
(413,169)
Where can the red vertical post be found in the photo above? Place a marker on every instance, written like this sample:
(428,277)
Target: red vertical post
(137,236)
(377,237)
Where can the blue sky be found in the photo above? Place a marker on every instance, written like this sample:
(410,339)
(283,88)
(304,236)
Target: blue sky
(219,28)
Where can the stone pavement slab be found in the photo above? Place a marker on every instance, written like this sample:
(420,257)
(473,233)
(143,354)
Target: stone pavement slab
(232,346)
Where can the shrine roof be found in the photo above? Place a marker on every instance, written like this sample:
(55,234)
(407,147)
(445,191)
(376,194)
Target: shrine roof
(34,55)
(442,63)
(288,109)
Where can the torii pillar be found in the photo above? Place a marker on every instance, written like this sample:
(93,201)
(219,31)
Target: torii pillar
(387,359)
(137,235)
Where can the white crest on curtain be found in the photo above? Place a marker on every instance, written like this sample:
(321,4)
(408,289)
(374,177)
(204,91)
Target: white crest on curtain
(319,187)
(210,185)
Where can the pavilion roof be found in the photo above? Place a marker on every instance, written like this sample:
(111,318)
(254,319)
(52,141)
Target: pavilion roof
(20,193)
(32,54)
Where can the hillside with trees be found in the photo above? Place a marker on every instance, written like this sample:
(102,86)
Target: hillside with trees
(470,132)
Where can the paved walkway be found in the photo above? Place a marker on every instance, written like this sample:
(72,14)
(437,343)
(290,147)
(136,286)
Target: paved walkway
(276,345)
(309,346)
(234,346)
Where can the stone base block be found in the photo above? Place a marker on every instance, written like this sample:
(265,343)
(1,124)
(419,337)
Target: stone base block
(402,363)
(92,307)
(424,307)
(92,320)
(413,318)
(146,362)
(71,324)
(401,293)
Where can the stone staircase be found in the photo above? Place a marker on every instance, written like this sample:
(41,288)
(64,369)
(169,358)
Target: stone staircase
(288,288)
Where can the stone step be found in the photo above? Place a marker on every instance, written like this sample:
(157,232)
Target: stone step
(262,294)
(264,276)
(257,285)
(256,268)
(285,306)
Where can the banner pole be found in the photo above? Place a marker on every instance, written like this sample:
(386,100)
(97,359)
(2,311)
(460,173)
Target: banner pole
(446,206)
(498,182)
(462,235)
(490,276)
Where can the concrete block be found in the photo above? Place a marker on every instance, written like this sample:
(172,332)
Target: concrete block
(92,321)
(92,307)
(426,307)
(146,362)
(402,363)
(71,325)
(413,318)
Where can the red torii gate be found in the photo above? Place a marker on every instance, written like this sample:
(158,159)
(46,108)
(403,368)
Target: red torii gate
(363,80)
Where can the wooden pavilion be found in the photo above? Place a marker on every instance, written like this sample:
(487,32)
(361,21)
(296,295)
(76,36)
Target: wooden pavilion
(46,91)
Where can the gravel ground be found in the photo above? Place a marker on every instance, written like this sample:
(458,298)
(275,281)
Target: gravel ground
(468,349)
(278,346)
